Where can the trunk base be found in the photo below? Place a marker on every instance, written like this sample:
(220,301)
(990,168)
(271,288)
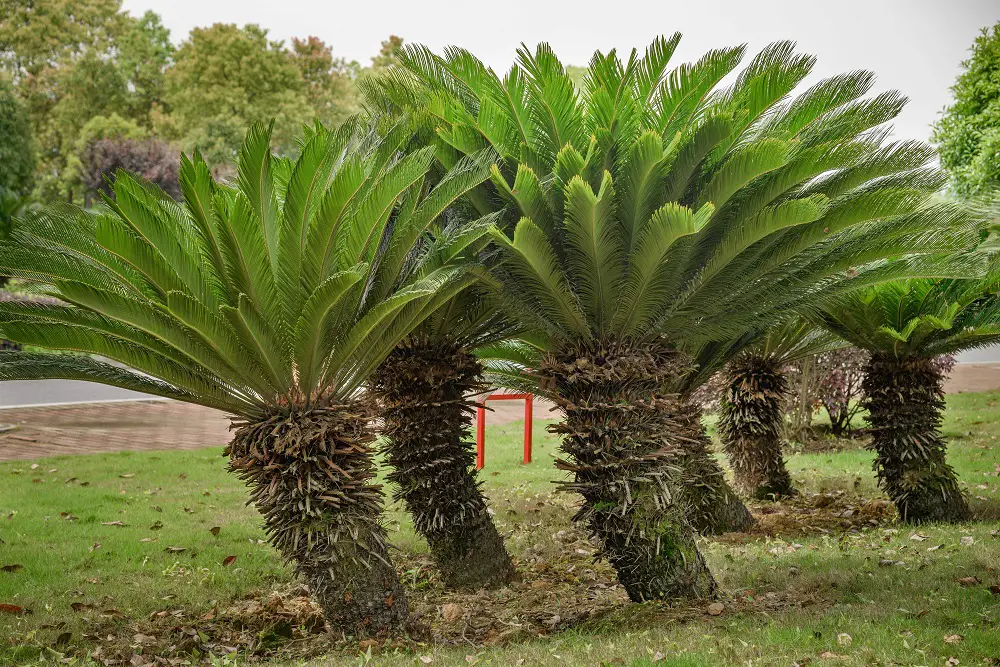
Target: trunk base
(423,388)
(711,505)
(618,436)
(309,475)
(905,399)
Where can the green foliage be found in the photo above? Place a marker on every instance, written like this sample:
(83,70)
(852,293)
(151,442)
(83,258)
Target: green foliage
(224,77)
(17,150)
(102,62)
(656,202)
(968,134)
(285,289)
(329,81)
(920,318)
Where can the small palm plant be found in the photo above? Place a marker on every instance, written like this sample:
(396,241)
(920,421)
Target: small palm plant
(273,300)
(752,409)
(654,209)
(905,325)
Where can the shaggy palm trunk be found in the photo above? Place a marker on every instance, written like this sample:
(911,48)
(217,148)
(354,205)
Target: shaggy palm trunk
(750,423)
(309,475)
(622,448)
(711,505)
(904,399)
(424,391)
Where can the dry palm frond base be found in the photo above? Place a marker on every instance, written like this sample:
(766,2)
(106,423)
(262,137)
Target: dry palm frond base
(561,588)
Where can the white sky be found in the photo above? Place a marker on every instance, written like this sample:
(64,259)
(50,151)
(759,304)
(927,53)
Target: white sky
(912,45)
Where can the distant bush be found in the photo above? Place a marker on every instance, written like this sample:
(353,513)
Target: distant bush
(152,159)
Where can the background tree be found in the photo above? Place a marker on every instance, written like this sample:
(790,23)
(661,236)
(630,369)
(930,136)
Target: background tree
(905,325)
(151,159)
(17,149)
(225,77)
(73,61)
(273,304)
(329,81)
(968,133)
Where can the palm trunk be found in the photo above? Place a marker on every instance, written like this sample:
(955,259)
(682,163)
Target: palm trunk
(750,424)
(712,507)
(309,475)
(423,388)
(904,399)
(619,439)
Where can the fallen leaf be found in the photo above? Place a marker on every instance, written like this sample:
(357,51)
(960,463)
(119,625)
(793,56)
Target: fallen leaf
(140,638)
(112,612)
(452,612)
(150,539)
(658,656)
(844,639)
(175,550)
(967,540)
(81,606)
(228,560)
(828,655)
(12,609)
(426,659)
(968,581)
(953,639)
(995,590)
(715,609)
(113,523)
(215,530)
(12,568)
(63,639)
(95,546)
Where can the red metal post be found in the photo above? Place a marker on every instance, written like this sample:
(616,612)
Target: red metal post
(481,435)
(528,405)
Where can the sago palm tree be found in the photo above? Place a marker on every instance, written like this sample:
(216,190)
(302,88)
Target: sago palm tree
(752,409)
(272,300)
(655,208)
(426,389)
(905,325)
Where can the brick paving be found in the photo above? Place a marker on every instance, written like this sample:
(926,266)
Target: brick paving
(110,427)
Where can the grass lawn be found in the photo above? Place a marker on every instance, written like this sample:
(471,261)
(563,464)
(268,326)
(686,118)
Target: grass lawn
(156,553)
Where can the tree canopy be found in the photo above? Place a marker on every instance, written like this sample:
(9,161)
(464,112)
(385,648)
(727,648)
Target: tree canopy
(968,133)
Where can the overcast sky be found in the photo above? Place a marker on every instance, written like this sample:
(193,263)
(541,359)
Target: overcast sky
(912,45)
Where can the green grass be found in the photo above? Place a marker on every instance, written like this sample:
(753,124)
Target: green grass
(788,597)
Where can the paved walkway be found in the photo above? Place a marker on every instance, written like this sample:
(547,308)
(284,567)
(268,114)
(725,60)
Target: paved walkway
(110,427)
(145,425)
(158,425)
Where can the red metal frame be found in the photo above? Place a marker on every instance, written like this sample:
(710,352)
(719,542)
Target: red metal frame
(529,401)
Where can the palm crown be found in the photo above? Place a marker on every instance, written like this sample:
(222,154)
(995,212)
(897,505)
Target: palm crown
(919,317)
(654,202)
(286,288)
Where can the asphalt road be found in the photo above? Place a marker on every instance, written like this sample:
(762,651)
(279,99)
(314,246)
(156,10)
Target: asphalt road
(44,392)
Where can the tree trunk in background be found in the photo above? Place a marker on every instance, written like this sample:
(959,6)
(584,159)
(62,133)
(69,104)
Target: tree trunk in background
(622,448)
(711,505)
(309,475)
(905,399)
(751,421)
(424,389)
